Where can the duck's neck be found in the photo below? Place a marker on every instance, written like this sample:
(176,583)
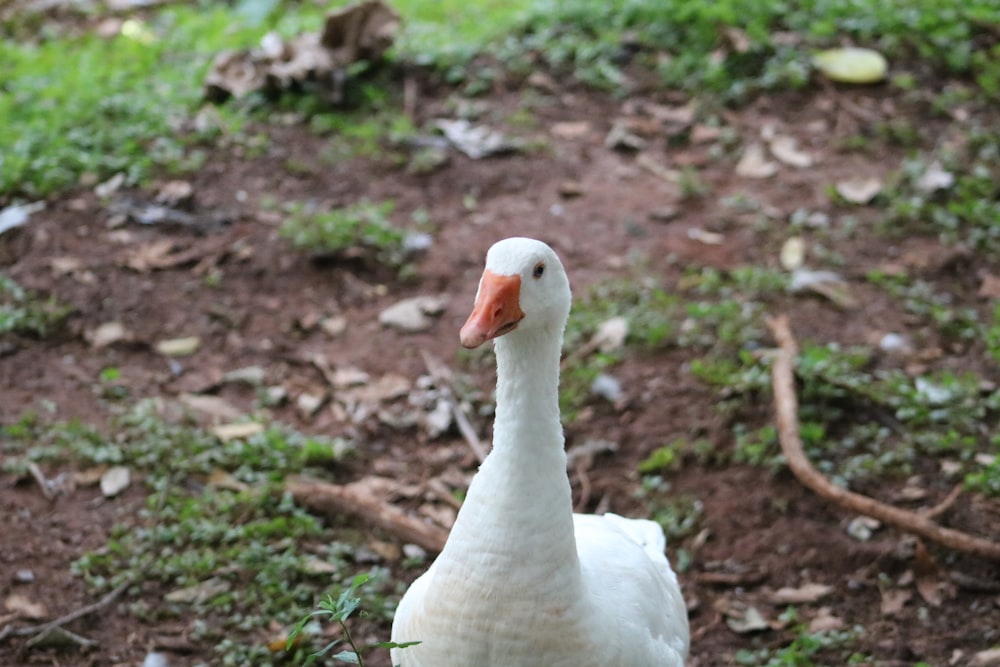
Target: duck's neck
(520,503)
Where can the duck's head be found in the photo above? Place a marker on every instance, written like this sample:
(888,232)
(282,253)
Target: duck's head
(523,287)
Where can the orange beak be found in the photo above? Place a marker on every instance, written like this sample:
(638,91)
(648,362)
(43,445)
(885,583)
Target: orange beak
(497,310)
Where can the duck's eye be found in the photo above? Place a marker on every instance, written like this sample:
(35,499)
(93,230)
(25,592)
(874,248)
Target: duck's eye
(538,271)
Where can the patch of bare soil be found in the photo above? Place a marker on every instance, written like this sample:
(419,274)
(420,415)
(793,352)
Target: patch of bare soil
(226,277)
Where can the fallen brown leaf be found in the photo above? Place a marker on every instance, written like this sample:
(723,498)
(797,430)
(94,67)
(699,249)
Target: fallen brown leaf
(931,581)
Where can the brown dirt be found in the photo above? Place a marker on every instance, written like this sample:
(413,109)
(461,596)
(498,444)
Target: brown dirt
(762,531)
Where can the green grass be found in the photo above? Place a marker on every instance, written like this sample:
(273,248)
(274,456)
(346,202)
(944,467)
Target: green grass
(365,226)
(217,535)
(25,314)
(862,424)
(966,213)
(89,107)
(682,40)
(77,107)
(805,650)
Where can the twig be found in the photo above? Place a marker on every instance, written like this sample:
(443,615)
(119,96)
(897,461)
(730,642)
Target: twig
(110,597)
(943,506)
(441,378)
(340,500)
(41,480)
(786,409)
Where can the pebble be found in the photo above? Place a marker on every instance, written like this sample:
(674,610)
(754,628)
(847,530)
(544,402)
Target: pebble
(412,315)
(24,576)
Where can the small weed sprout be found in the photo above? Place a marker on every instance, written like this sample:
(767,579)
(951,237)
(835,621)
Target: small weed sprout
(365,225)
(339,611)
(23,313)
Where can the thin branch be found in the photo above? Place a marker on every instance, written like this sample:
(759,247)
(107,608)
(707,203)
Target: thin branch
(347,500)
(110,597)
(786,409)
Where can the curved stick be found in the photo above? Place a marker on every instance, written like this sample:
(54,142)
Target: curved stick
(786,414)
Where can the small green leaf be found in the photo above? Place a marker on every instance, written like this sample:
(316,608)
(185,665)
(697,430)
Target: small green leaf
(350,657)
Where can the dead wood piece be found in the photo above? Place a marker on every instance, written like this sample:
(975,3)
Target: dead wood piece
(345,500)
(10,630)
(786,415)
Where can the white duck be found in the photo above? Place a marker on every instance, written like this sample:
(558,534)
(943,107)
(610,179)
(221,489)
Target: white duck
(522,581)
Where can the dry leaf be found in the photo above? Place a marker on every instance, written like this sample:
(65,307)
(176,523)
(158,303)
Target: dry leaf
(107,334)
(935,178)
(316,565)
(611,334)
(861,528)
(63,266)
(932,582)
(308,404)
(990,287)
(476,141)
(25,608)
(825,621)
(786,151)
(149,256)
(212,406)
(893,601)
(825,283)
(754,163)
(801,595)
(360,31)
(175,194)
(387,551)
(859,190)
(178,347)
(570,129)
(333,326)
(225,480)
(741,617)
(988,658)
(706,237)
(201,592)
(115,480)
(793,253)
(237,430)
(90,476)
(751,620)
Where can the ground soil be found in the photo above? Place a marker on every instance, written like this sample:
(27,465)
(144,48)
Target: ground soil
(604,211)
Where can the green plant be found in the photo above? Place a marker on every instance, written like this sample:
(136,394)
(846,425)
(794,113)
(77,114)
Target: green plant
(730,48)
(964,210)
(920,297)
(802,650)
(22,313)
(217,531)
(362,225)
(339,611)
(857,423)
(678,515)
(114,106)
(649,314)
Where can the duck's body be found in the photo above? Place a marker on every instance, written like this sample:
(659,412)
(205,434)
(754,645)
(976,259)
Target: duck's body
(522,581)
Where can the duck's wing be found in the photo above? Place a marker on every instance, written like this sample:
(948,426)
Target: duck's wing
(630,582)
